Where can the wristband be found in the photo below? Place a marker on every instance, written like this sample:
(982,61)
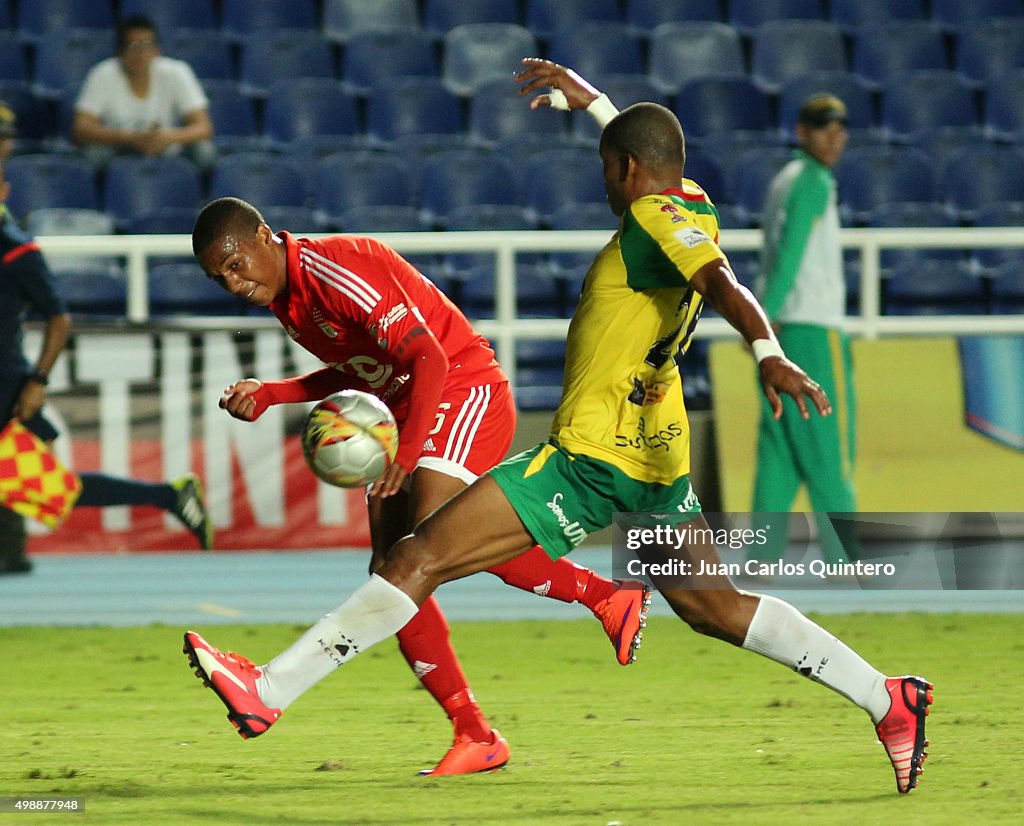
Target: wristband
(766,348)
(602,110)
(39,377)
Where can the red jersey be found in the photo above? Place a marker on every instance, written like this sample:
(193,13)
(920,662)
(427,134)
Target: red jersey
(351,299)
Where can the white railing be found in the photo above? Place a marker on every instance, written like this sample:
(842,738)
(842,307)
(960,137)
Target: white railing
(505,328)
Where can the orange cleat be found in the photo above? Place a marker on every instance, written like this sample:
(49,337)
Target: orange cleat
(233,678)
(902,729)
(471,757)
(624,616)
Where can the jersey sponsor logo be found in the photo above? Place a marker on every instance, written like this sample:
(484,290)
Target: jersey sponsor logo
(691,237)
(673,210)
(572,529)
(323,324)
(644,393)
(642,440)
(395,314)
(368,369)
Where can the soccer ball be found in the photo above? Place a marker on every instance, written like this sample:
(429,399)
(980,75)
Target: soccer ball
(350,439)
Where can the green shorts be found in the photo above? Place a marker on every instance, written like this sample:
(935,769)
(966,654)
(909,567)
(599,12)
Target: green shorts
(562,497)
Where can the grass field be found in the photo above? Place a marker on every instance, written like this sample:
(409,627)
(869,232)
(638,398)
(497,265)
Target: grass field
(695,732)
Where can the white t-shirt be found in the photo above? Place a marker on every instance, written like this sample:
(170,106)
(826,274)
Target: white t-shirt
(174,91)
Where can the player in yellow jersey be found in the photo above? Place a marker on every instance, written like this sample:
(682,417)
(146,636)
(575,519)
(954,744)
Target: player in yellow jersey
(618,443)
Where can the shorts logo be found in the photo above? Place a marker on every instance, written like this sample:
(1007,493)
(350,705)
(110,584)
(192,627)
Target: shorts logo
(690,502)
(572,530)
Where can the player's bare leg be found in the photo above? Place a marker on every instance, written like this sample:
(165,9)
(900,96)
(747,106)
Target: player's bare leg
(711,605)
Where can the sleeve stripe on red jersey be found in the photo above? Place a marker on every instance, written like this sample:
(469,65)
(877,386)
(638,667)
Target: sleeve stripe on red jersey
(460,441)
(342,279)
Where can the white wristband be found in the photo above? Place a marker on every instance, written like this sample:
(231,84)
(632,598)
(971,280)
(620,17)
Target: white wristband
(766,348)
(602,110)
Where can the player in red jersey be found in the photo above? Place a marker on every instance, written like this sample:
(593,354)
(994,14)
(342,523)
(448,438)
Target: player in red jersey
(383,328)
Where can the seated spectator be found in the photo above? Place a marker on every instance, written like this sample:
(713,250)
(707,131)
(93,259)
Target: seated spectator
(8,131)
(141,102)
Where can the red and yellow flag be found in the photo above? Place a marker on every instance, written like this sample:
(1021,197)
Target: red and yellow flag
(32,481)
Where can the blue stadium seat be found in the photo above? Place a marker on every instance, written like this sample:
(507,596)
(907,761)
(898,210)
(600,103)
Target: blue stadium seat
(1004,106)
(233,114)
(649,14)
(545,17)
(412,106)
(999,214)
(496,112)
(989,48)
(261,178)
(932,288)
(36,18)
(784,49)
(64,57)
(374,219)
(595,49)
(362,178)
(848,87)
(941,143)
(97,293)
(537,292)
(477,52)
(167,17)
(373,56)
(485,218)
(731,216)
(921,102)
(13,65)
(539,368)
(890,50)
(343,18)
(182,289)
(915,214)
(553,179)
(36,117)
(851,14)
(205,50)
(441,16)
(590,216)
(64,221)
(309,107)
(868,177)
(243,18)
(749,14)
(953,13)
(714,105)
(982,175)
(681,52)
(1007,289)
(703,168)
(751,176)
(461,177)
(5,16)
(49,180)
(624,90)
(296,219)
(296,54)
(135,185)
(165,220)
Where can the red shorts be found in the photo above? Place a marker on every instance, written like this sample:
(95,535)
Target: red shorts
(472,431)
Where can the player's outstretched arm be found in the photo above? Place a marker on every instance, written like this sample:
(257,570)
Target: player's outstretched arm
(716,282)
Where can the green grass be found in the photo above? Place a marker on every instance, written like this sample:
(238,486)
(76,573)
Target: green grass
(695,732)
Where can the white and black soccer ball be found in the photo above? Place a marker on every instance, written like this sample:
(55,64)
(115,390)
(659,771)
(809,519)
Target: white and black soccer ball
(350,439)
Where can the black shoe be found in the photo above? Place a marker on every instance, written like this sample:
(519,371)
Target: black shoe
(191,509)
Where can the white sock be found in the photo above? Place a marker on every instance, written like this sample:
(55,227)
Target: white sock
(781,633)
(376,611)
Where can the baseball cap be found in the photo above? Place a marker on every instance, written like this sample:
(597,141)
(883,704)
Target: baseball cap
(8,121)
(819,110)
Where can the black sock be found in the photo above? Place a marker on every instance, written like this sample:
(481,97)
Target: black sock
(100,490)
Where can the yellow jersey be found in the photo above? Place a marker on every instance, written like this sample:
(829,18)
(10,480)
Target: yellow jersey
(622,396)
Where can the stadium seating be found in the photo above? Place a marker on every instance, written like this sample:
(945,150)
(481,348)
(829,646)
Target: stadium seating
(545,17)
(412,106)
(296,54)
(919,103)
(953,13)
(751,176)
(848,87)
(570,266)
(558,177)
(649,14)
(496,112)
(98,293)
(1007,289)
(378,55)
(167,17)
(441,16)
(477,52)
(375,219)
(361,178)
(977,176)
(13,65)
(597,49)
(240,19)
(460,177)
(64,57)
(233,115)
(38,17)
(343,18)
(307,108)
(537,293)
(999,214)
(540,385)
(623,90)
(915,214)
(136,185)
(932,288)
(784,49)
(297,219)
(261,178)
(749,14)
(164,220)
(64,221)
(868,177)
(183,289)
(49,180)
(715,105)
(890,50)
(989,48)
(36,121)
(703,168)
(680,52)
(205,50)
(1004,107)
(484,218)
(852,14)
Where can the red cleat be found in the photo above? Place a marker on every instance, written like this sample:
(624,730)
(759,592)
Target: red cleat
(902,729)
(624,616)
(233,679)
(471,756)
